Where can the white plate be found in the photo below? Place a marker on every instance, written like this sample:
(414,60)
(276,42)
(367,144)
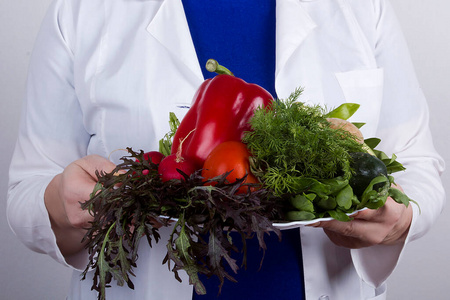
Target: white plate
(297,224)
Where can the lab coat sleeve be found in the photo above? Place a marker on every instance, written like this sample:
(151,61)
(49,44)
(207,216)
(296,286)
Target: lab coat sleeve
(404,130)
(51,133)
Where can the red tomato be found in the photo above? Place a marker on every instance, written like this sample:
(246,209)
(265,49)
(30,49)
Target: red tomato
(229,156)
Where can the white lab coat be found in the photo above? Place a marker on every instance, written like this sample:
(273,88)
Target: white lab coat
(105,74)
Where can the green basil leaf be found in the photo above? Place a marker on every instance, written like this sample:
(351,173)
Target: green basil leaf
(372,142)
(327,203)
(395,167)
(303,203)
(299,216)
(344,197)
(376,202)
(335,184)
(399,196)
(370,195)
(358,124)
(339,215)
(344,111)
(301,184)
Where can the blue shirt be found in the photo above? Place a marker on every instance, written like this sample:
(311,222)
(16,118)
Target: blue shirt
(240,35)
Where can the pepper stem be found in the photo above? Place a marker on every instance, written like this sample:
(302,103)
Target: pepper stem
(213,66)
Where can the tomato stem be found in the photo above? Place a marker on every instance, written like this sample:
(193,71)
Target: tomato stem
(213,66)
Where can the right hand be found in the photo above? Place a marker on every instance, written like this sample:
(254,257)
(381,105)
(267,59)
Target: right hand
(63,196)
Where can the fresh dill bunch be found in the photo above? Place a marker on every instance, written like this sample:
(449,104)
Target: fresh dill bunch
(290,141)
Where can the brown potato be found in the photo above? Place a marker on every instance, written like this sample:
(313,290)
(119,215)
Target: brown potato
(337,123)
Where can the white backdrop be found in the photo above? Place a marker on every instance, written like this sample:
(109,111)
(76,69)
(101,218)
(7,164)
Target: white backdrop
(424,271)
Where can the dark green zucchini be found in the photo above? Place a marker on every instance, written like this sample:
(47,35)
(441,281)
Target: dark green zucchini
(366,167)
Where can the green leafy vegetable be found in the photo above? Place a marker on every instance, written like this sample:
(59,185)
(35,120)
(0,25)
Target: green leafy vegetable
(128,206)
(344,197)
(358,124)
(292,141)
(300,157)
(343,111)
(391,163)
(165,144)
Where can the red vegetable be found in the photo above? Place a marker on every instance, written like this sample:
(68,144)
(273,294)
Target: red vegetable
(220,112)
(168,168)
(154,157)
(229,156)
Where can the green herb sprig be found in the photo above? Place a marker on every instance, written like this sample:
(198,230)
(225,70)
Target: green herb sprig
(291,140)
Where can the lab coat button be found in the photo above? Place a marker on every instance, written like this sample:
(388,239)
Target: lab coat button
(324,297)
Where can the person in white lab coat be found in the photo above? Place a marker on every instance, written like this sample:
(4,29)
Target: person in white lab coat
(104,75)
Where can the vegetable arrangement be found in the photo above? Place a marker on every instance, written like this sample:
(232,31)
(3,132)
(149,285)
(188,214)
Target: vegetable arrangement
(238,161)
(302,153)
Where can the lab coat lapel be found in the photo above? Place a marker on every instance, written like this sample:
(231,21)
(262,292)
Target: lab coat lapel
(170,28)
(293,25)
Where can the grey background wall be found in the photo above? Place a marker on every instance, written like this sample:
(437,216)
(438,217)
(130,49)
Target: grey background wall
(424,271)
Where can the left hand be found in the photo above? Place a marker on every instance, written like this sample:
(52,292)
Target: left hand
(387,225)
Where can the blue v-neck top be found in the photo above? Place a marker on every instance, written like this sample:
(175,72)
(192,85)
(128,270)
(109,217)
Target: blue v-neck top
(240,35)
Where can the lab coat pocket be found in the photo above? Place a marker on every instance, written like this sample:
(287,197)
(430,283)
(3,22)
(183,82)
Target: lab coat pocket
(364,87)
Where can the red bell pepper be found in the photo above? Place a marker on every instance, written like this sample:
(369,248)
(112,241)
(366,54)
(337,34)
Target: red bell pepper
(221,111)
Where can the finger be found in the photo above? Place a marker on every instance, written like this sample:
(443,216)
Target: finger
(345,241)
(79,180)
(364,215)
(83,173)
(389,212)
(368,232)
(92,164)
(371,227)
(368,214)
